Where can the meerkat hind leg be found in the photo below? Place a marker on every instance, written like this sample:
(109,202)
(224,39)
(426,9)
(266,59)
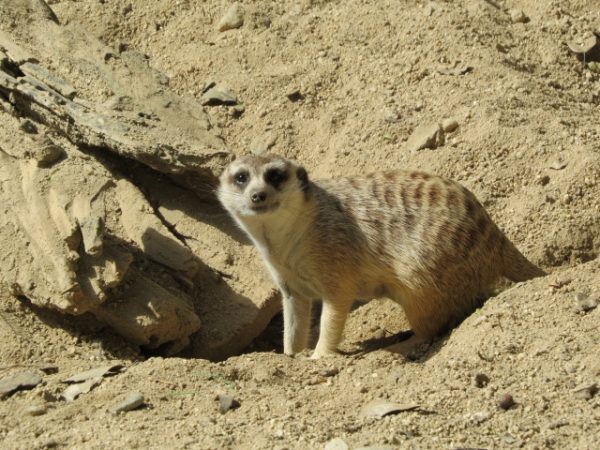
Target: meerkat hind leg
(428,315)
(331,328)
(296,324)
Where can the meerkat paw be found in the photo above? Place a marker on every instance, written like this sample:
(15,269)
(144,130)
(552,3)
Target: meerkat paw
(318,354)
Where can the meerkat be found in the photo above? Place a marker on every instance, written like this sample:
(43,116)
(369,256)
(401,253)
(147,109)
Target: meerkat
(421,240)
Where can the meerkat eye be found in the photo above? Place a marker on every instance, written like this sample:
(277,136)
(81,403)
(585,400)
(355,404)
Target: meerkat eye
(241,177)
(275,177)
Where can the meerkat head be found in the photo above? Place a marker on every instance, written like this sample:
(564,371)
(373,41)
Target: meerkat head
(255,185)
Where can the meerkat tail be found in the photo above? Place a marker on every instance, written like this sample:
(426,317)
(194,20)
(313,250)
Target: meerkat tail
(517,267)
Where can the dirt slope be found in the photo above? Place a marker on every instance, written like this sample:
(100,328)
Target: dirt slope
(341,86)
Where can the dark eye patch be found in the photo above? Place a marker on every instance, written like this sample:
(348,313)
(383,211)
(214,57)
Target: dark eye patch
(275,177)
(241,177)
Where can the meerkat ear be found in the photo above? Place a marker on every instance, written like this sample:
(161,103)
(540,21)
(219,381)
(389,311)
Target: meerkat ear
(303,178)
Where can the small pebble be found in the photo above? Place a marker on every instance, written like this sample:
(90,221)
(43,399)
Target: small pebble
(28,127)
(543,180)
(430,135)
(481,380)
(233,18)
(227,402)
(506,402)
(586,391)
(329,372)
(585,302)
(449,125)
(35,410)
(518,16)
(294,96)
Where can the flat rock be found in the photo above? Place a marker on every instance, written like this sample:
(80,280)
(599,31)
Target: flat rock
(75,390)
(218,96)
(133,401)
(18,381)
(35,410)
(426,136)
(233,18)
(98,372)
(380,408)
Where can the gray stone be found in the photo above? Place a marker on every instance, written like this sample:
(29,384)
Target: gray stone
(75,390)
(380,408)
(227,402)
(585,302)
(233,18)
(218,96)
(133,401)
(18,381)
(426,136)
(95,373)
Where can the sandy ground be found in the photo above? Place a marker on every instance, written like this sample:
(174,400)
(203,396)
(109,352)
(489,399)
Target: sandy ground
(341,86)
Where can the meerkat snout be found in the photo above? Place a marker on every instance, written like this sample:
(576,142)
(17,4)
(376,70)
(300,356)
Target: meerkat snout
(258,197)
(249,188)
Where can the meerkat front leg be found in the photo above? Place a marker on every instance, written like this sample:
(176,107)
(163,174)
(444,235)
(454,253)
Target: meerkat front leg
(296,323)
(331,329)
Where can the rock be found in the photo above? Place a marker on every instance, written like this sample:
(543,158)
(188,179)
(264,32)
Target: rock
(479,417)
(28,127)
(518,16)
(294,96)
(583,46)
(542,180)
(147,231)
(17,382)
(449,125)
(233,18)
(506,402)
(331,372)
(391,116)
(48,369)
(460,70)
(47,153)
(133,401)
(75,390)
(238,110)
(585,302)
(559,164)
(336,444)
(380,408)
(218,96)
(104,371)
(227,402)
(45,76)
(481,380)
(426,136)
(586,391)
(35,410)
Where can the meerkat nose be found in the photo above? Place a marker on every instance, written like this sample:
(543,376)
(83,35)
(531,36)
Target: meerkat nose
(258,197)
